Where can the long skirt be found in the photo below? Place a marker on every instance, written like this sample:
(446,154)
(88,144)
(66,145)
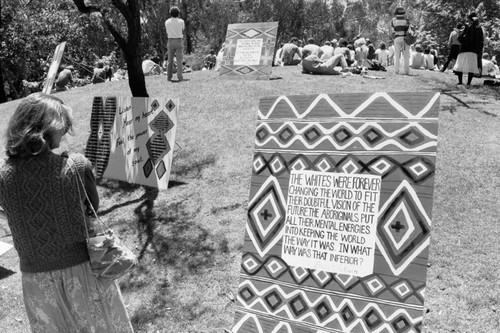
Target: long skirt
(466,63)
(74,300)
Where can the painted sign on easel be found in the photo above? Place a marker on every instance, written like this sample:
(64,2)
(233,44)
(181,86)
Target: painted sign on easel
(132,139)
(249,50)
(54,66)
(339,216)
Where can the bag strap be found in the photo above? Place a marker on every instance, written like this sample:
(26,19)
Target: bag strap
(80,181)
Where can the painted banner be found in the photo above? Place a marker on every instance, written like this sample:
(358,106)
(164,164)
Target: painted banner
(339,216)
(249,50)
(54,66)
(132,139)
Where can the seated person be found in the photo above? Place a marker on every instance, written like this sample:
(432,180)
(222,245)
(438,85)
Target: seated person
(64,78)
(312,64)
(149,67)
(219,57)
(327,50)
(428,59)
(489,67)
(417,58)
(313,48)
(210,60)
(99,73)
(289,51)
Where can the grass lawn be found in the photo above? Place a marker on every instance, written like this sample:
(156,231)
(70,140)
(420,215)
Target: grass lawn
(190,237)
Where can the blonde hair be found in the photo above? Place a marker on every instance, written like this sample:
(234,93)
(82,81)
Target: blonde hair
(32,126)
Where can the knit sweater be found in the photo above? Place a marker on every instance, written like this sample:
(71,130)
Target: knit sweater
(42,197)
(399,26)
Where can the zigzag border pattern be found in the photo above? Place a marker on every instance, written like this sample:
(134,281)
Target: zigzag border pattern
(324,306)
(265,267)
(383,166)
(340,113)
(327,134)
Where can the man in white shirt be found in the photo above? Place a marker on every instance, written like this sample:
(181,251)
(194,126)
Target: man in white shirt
(175,31)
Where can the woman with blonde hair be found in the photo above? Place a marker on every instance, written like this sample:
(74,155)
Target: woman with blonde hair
(44,202)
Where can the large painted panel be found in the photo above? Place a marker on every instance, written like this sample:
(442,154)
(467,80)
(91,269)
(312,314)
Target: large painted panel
(249,50)
(132,139)
(339,216)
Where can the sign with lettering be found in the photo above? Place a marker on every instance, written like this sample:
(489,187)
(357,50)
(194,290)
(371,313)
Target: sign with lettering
(132,139)
(339,215)
(331,220)
(54,66)
(249,50)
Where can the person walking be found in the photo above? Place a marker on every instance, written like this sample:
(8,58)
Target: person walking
(471,50)
(454,45)
(175,27)
(44,202)
(399,27)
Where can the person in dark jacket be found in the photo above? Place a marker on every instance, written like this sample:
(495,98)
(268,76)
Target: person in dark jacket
(471,49)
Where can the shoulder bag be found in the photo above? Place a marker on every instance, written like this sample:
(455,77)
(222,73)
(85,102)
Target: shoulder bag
(109,258)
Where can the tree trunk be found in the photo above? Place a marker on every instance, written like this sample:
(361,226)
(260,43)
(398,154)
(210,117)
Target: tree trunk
(3,97)
(136,80)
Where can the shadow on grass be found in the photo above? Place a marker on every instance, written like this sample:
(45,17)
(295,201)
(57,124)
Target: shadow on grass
(173,242)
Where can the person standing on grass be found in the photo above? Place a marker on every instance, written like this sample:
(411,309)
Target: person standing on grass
(175,27)
(471,50)
(44,202)
(399,27)
(454,45)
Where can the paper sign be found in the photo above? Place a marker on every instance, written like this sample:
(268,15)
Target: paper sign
(331,221)
(248,51)
(132,139)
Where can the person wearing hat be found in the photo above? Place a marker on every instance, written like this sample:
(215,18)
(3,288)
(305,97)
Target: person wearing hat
(399,27)
(471,50)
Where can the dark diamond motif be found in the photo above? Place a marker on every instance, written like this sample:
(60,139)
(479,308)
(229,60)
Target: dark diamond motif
(155,105)
(372,136)
(247,294)
(245,70)
(342,135)
(161,169)
(401,324)
(312,134)
(323,311)
(170,105)
(372,319)
(148,167)
(412,138)
(262,134)
(273,300)
(347,315)
(286,135)
(298,306)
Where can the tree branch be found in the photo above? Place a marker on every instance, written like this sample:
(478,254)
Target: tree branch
(82,8)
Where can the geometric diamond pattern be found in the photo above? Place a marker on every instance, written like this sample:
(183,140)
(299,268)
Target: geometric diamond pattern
(299,274)
(266,214)
(403,229)
(251,33)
